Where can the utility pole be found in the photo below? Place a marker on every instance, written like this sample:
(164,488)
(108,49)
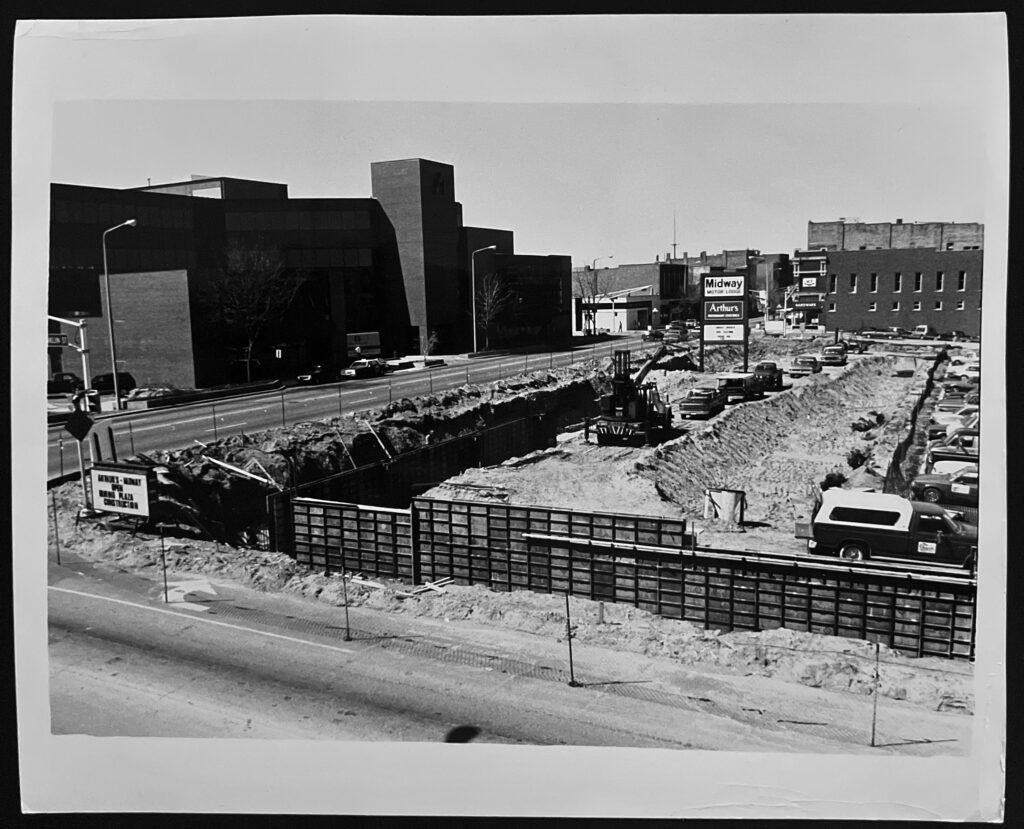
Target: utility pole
(673,232)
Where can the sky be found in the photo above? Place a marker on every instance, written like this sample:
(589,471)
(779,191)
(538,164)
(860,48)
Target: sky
(582,135)
(585,179)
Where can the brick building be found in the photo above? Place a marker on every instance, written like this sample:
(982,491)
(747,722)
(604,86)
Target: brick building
(397,263)
(855,276)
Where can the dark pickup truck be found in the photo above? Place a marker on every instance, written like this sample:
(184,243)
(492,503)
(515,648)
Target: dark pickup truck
(769,374)
(703,401)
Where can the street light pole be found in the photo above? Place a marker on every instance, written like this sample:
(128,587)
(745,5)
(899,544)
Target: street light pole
(110,313)
(472,286)
(593,270)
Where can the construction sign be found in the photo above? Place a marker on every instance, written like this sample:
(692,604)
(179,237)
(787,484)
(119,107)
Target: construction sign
(122,487)
(723,317)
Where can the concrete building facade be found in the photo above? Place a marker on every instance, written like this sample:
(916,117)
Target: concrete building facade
(397,264)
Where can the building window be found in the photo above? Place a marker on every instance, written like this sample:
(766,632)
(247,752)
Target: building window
(917,305)
(959,305)
(872,306)
(896,305)
(897,283)
(939,279)
(853,283)
(938,305)
(961,281)
(831,307)
(917,281)
(832,283)
(874,283)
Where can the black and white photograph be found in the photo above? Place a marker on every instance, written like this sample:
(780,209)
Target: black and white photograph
(558,416)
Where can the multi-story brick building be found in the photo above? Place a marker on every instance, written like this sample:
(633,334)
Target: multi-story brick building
(854,276)
(397,264)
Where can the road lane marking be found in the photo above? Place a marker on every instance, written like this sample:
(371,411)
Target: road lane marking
(204,620)
(223,426)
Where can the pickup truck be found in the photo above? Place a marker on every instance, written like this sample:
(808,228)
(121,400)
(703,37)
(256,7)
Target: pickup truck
(770,375)
(802,366)
(739,387)
(703,401)
(862,525)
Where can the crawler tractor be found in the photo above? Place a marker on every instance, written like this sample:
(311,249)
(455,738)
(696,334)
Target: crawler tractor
(633,412)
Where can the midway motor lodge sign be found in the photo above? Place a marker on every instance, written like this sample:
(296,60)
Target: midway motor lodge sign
(725,286)
(121,487)
(723,308)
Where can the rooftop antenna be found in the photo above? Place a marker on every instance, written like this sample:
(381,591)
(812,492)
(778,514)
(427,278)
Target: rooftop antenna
(149,181)
(673,231)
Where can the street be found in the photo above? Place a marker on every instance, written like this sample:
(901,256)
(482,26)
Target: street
(145,430)
(246,664)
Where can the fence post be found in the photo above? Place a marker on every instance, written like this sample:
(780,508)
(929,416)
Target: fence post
(213,407)
(163,562)
(344,590)
(568,639)
(283,424)
(526,363)
(874,707)
(131,437)
(56,528)
(339,401)
(60,448)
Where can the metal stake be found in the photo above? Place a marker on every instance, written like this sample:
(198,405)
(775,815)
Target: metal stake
(389,390)
(339,401)
(60,448)
(56,529)
(213,406)
(568,638)
(283,424)
(86,503)
(131,437)
(163,562)
(874,707)
(344,590)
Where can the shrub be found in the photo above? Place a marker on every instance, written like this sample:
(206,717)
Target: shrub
(856,458)
(833,479)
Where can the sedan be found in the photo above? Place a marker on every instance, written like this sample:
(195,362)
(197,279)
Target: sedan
(364,368)
(317,375)
(803,366)
(956,488)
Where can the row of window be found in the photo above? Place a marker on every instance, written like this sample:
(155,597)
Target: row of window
(938,284)
(108,214)
(960,305)
(298,220)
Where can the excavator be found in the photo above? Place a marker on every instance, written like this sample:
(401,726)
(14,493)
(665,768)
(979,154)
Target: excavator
(633,412)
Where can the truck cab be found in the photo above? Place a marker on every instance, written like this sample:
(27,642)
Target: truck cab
(871,525)
(833,355)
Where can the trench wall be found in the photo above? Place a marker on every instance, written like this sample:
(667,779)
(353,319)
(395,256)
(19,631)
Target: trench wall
(608,557)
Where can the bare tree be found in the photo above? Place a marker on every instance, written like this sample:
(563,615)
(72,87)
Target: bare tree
(590,284)
(430,343)
(250,291)
(492,297)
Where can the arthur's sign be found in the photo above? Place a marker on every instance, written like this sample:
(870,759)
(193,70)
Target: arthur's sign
(725,310)
(120,487)
(725,286)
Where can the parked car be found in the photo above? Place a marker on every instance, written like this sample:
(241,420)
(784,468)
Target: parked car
(961,414)
(675,335)
(833,355)
(955,337)
(964,371)
(316,375)
(364,368)
(692,324)
(770,375)
(739,387)
(105,382)
(64,382)
(875,525)
(59,403)
(653,334)
(924,332)
(956,488)
(703,401)
(854,346)
(963,447)
(953,402)
(804,365)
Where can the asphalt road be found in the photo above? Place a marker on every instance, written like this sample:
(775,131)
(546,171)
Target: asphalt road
(146,430)
(239,664)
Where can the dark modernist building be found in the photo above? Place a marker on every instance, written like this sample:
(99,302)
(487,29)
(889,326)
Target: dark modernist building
(856,275)
(397,264)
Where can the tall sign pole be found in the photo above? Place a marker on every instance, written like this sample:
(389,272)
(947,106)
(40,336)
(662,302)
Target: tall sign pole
(723,311)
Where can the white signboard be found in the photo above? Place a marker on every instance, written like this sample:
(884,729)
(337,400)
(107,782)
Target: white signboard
(809,282)
(723,333)
(120,490)
(720,286)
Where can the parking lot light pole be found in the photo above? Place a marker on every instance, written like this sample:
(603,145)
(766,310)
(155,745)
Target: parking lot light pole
(110,313)
(472,286)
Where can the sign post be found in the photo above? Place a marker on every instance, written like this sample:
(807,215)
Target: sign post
(724,312)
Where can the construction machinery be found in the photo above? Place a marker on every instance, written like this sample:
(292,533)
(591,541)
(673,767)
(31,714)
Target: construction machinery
(633,412)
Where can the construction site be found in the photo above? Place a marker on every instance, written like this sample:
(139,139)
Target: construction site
(215,506)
